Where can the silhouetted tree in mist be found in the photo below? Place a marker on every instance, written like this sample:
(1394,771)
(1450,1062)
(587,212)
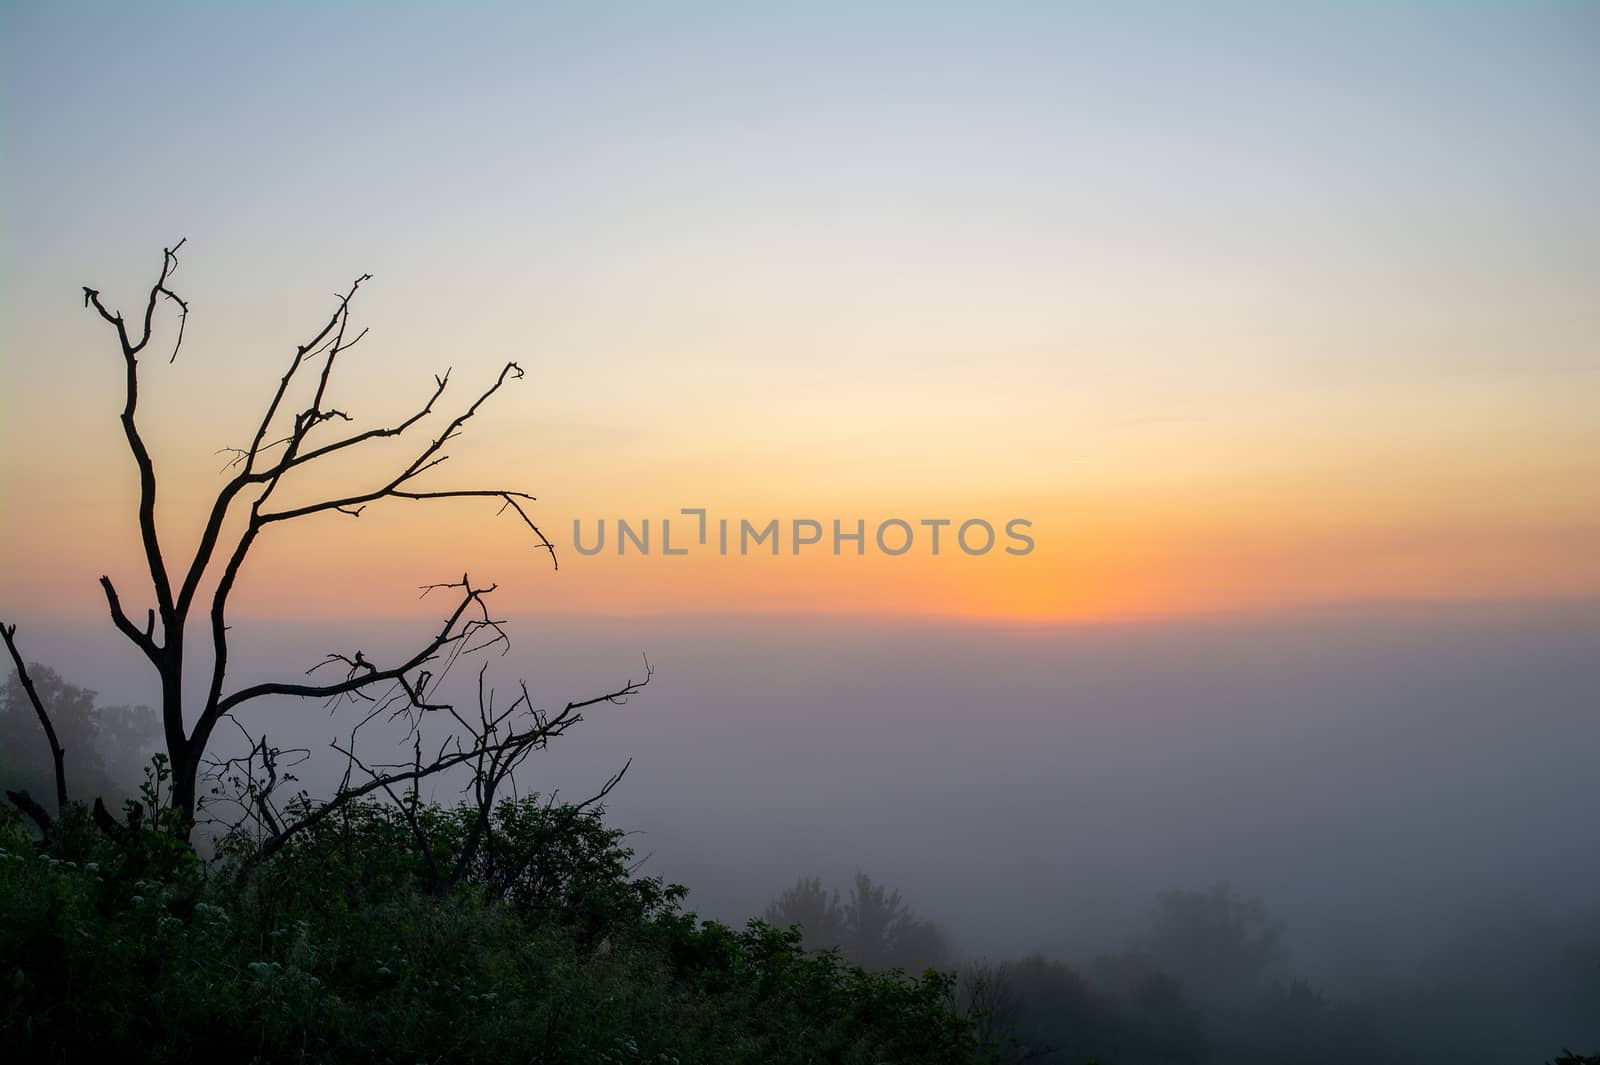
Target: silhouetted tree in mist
(814,909)
(873,926)
(108,745)
(1216,942)
(1122,1010)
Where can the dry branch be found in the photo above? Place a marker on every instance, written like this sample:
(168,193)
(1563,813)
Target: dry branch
(57,754)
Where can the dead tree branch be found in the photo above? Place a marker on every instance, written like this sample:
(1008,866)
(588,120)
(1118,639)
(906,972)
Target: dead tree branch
(505,744)
(57,754)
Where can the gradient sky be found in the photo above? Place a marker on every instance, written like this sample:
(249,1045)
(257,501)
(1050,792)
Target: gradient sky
(1241,306)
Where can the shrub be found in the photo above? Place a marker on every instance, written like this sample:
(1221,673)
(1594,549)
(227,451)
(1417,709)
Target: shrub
(354,944)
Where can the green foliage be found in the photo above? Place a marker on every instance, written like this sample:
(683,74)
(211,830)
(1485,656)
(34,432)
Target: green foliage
(353,944)
(154,841)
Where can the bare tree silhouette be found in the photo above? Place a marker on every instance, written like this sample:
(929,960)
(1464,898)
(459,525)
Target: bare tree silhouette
(289,439)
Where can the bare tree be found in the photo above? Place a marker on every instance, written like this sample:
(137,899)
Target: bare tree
(488,745)
(25,802)
(290,437)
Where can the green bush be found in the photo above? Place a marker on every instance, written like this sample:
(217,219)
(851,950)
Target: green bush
(357,943)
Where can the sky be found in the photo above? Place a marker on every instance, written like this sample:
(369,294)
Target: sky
(1240,306)
(1277,324)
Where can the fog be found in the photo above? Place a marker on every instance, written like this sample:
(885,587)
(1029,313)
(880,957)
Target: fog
(1408,788)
